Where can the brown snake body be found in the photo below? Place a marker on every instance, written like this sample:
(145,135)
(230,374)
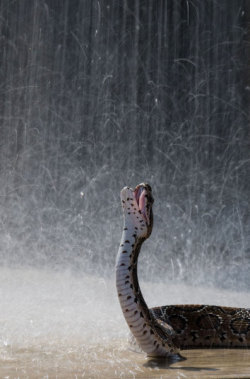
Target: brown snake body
(163,331)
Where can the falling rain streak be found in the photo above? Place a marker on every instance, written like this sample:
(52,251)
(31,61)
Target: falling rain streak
(98,94)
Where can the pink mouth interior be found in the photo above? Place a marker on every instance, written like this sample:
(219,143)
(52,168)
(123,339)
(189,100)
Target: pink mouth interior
(140,196)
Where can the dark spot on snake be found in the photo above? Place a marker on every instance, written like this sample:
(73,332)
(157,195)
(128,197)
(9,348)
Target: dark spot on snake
(151,331)
(128,213)
(171,350)
(129,268)
(119,294)
(141,315)
(240,325)
(131,286)
(194,336)
(163,345)
(126,241)
(126,310)
(124,252)
(122,264)
(134,235)
(123,201)
(125,229)
(157,346)
(155,342)
(145,332)
(178,322)
(223,336)
(131,326)
(127,277)
(128,297)
(241,339)
(135,312)
(127,198)
(208,321)
(127,281)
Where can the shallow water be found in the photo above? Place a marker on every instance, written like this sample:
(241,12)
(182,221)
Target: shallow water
(58,324)
(115,361)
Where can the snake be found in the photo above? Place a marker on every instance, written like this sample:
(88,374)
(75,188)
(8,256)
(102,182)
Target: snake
(166,330)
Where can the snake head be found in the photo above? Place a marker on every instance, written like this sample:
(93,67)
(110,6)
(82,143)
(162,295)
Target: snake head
(137,207)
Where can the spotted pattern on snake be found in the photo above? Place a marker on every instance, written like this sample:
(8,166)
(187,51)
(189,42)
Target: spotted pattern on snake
(163,331)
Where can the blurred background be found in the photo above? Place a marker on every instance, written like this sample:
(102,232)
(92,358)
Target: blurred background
(96,95)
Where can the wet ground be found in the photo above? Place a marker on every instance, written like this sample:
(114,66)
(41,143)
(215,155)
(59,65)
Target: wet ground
(115,361)
(59,325)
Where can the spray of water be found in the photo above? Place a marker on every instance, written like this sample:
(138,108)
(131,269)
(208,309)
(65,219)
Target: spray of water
(97,95)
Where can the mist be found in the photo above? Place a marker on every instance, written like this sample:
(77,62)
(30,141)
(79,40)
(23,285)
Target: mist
(99,95)
(96,95)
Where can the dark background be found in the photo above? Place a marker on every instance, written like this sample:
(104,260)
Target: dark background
(96,95)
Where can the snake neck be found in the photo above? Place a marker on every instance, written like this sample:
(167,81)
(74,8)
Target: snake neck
(139,318)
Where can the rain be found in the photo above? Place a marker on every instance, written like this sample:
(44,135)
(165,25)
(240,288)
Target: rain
(95,96)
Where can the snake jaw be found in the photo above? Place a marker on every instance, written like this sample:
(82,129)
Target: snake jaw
(144,201)
(137,205)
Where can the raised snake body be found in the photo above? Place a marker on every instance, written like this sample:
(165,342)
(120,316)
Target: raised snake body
(163,331)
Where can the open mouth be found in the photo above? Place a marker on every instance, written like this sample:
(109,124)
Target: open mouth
(141,197)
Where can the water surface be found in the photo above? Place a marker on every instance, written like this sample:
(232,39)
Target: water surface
(63,325)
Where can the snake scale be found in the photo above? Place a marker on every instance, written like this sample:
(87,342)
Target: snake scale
(165,330)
